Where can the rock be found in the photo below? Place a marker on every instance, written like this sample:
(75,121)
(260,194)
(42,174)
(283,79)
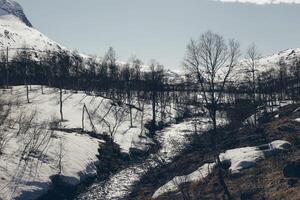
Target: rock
(280,144)
(14,8)
(225,164)
(292,170)
(135,152)
(292,182)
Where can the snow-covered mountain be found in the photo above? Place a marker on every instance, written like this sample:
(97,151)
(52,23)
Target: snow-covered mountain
(14,33)
(288,57)
(266,63)
(16,30)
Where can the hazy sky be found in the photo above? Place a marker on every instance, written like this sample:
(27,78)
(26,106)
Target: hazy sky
(160,29)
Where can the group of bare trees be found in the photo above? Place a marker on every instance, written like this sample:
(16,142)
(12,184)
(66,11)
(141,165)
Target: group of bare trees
(214,65)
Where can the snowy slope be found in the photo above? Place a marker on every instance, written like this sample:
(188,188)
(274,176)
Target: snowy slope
(18,181)
(288,56)
(47,105)
(16,34)
(79,150)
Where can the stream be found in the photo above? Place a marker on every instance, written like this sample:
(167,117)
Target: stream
(118,186)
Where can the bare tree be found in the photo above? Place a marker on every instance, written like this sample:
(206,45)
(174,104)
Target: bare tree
(60,156)
(3,68)
(23,59)
(85,110)
(62,60)
(76,69)
(142,116)
(5,109)
(282,65)
(156,79)
(251,71)
(110,66)
(34,139)
(118,116)
(211,59)
(295,69)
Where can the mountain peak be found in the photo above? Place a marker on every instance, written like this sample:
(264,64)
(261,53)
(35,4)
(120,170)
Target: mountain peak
(11,7)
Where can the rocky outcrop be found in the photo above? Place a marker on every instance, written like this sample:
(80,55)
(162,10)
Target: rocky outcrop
(10,7)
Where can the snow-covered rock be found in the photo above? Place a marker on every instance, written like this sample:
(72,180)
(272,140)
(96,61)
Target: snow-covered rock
(246,157)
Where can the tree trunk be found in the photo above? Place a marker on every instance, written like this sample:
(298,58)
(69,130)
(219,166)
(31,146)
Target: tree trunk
(217,158)
(154,107)
(82,118)
(26,85)
(42,88)
(7,70)
(130,112)
(61,104)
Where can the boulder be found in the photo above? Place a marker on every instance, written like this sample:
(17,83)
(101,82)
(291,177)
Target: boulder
(292,182)
(135,152)
(292,170)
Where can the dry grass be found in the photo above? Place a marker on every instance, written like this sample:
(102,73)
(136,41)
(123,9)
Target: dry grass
(265,181)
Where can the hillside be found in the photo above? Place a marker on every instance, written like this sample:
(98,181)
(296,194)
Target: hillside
(249,174)
(32,131)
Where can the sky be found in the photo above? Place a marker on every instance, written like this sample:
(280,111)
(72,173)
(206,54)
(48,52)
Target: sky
(161,29)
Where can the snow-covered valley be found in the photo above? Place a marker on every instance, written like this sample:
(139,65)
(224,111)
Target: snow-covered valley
(224,124)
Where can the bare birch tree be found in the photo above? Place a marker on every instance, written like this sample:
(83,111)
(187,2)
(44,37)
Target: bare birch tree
(251,72)
(115,117)
(211,59)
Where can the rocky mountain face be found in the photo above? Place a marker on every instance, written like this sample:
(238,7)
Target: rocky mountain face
(16,31)
(10,7)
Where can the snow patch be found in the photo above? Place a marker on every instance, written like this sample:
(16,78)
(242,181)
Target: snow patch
(174,184)
(77,163)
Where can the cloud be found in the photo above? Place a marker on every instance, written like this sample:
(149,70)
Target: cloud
(263,2)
